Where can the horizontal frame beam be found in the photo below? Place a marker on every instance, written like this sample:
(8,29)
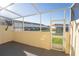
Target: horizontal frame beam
(57,20)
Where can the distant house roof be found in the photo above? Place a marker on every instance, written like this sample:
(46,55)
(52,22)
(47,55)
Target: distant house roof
(26,22)
(60,24)
(29,23)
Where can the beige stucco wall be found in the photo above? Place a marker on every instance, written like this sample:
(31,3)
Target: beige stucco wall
(33,38)
(5,36)
(38,39)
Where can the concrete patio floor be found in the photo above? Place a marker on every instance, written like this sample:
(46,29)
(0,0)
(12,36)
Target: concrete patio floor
(17,49)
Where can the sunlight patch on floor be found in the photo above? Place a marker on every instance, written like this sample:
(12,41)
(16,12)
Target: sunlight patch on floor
(29,54)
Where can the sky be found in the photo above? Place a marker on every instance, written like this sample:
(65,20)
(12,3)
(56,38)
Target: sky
(24,9)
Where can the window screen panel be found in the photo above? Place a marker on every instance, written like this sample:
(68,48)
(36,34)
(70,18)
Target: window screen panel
(8,14)
(51,6)
(22,9)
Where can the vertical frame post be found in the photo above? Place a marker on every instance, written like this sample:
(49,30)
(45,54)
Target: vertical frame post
(23,24)
(12,25)
(40,22)
(51,30)
(64,31)
(70,34)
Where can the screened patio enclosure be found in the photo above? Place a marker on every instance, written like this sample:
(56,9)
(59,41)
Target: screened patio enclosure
(22,13)
(43,25)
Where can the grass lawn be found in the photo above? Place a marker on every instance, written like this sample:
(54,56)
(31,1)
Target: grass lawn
(57,40)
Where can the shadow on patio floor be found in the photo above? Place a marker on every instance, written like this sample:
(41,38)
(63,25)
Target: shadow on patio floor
(17,49)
